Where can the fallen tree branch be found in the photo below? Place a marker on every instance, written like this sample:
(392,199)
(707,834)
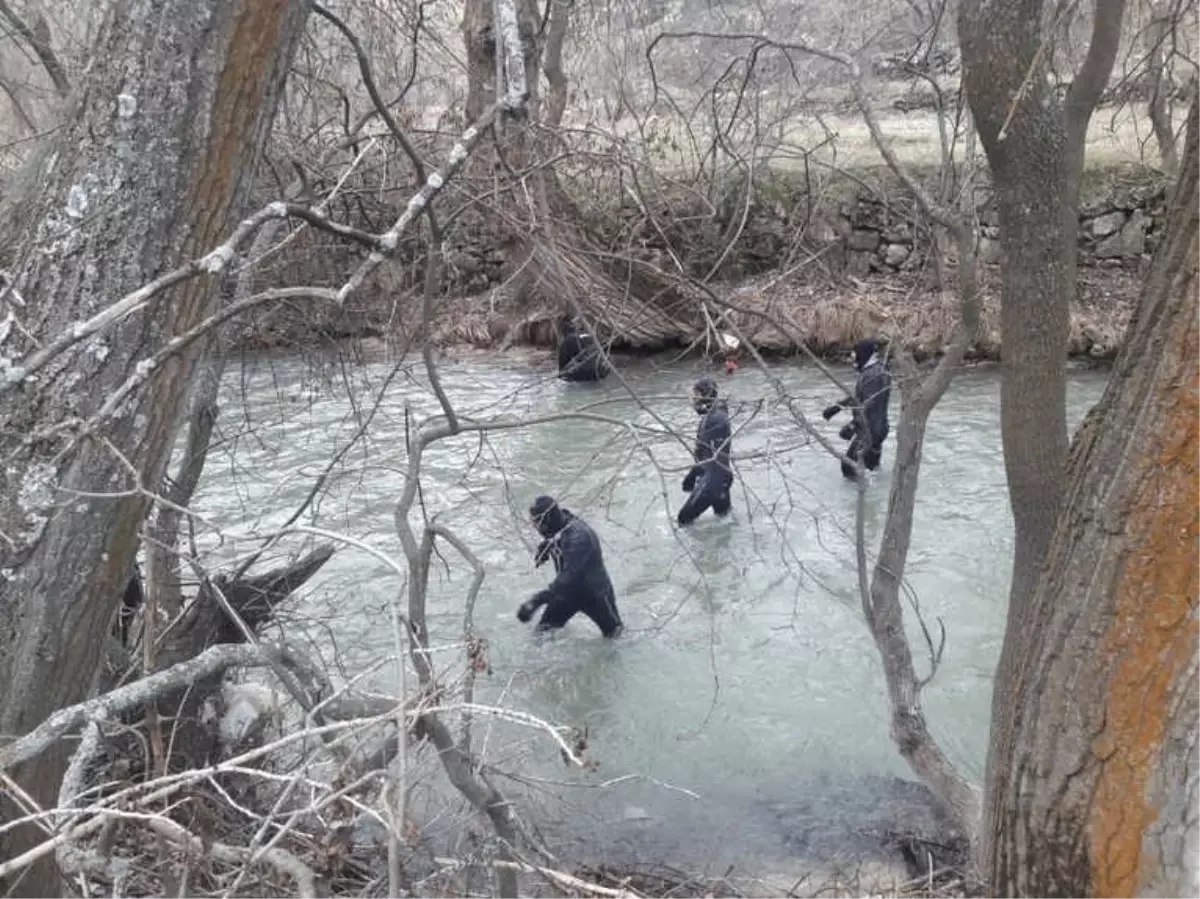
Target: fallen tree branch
(280,859)
(212,661)
(253,599)
(150,792)
(559,878)
(71,858)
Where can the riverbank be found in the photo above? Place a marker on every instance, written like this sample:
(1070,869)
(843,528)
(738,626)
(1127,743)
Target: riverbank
(783,317)
(778,315)
(793,265)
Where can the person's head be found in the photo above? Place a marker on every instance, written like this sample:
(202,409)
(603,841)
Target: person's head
(863,351)
(566,325)
(546,515)
(704,394)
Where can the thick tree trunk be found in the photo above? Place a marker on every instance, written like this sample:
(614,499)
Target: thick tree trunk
(1034,143)
(1100,794)
(151,168)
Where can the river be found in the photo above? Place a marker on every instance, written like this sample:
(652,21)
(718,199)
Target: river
(741,719)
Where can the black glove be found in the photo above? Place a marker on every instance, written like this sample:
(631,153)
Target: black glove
(689,481)
(527,609)
(847,433)
(831,411)
(542,553)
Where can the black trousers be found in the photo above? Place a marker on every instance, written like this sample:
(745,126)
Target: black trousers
(601,609)
(870,458)
(710,492)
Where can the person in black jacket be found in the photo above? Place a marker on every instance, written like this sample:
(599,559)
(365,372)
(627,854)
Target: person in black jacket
(709,479)
(581,582)
(579,355)
(872,393)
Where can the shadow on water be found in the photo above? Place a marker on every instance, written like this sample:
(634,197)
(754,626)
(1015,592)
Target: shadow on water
(742,716)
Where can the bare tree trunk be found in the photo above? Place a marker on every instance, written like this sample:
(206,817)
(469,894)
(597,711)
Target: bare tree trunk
(1159,105)
(1035,146)
(148,173)
(882,608)
(163,585)
(552,64)
(1100,797)
(485,67)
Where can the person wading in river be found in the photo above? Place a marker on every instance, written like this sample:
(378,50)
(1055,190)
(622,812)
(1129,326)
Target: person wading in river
(580,357)
(581,582)
(872,393)
(709,479)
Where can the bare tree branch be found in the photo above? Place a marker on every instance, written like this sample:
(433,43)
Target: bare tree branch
(279,859)
(39,42)
(212,661)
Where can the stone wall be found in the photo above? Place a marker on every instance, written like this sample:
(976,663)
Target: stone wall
(867,234)
(846,229)
(864,232)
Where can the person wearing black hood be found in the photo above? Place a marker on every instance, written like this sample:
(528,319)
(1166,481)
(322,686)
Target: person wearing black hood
(872,393)
(579,355)
(709,479)
(581,582)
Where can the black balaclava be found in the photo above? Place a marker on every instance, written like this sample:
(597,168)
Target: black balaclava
(547,517)
(863,351)
(704,394)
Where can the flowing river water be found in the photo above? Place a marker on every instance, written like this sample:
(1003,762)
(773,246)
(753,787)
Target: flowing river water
(742,718)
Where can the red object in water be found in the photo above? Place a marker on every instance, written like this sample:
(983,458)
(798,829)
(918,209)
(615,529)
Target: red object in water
(730,366)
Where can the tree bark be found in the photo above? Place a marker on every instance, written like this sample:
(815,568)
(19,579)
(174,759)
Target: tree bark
(1034,142)
(1158,107)
(154,163)
(552,64)
(484,66)
(1100,795)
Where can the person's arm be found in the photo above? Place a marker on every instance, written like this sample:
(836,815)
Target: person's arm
(699,454)
(531,605)
(689,479)
(834,408)
(570,553)
(547,549)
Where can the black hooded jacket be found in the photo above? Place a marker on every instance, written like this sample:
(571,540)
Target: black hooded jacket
(713,443)
(713,437)
(872,391)
(575,550)
(579,355)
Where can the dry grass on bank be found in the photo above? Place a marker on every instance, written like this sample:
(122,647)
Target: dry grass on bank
(777,316)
